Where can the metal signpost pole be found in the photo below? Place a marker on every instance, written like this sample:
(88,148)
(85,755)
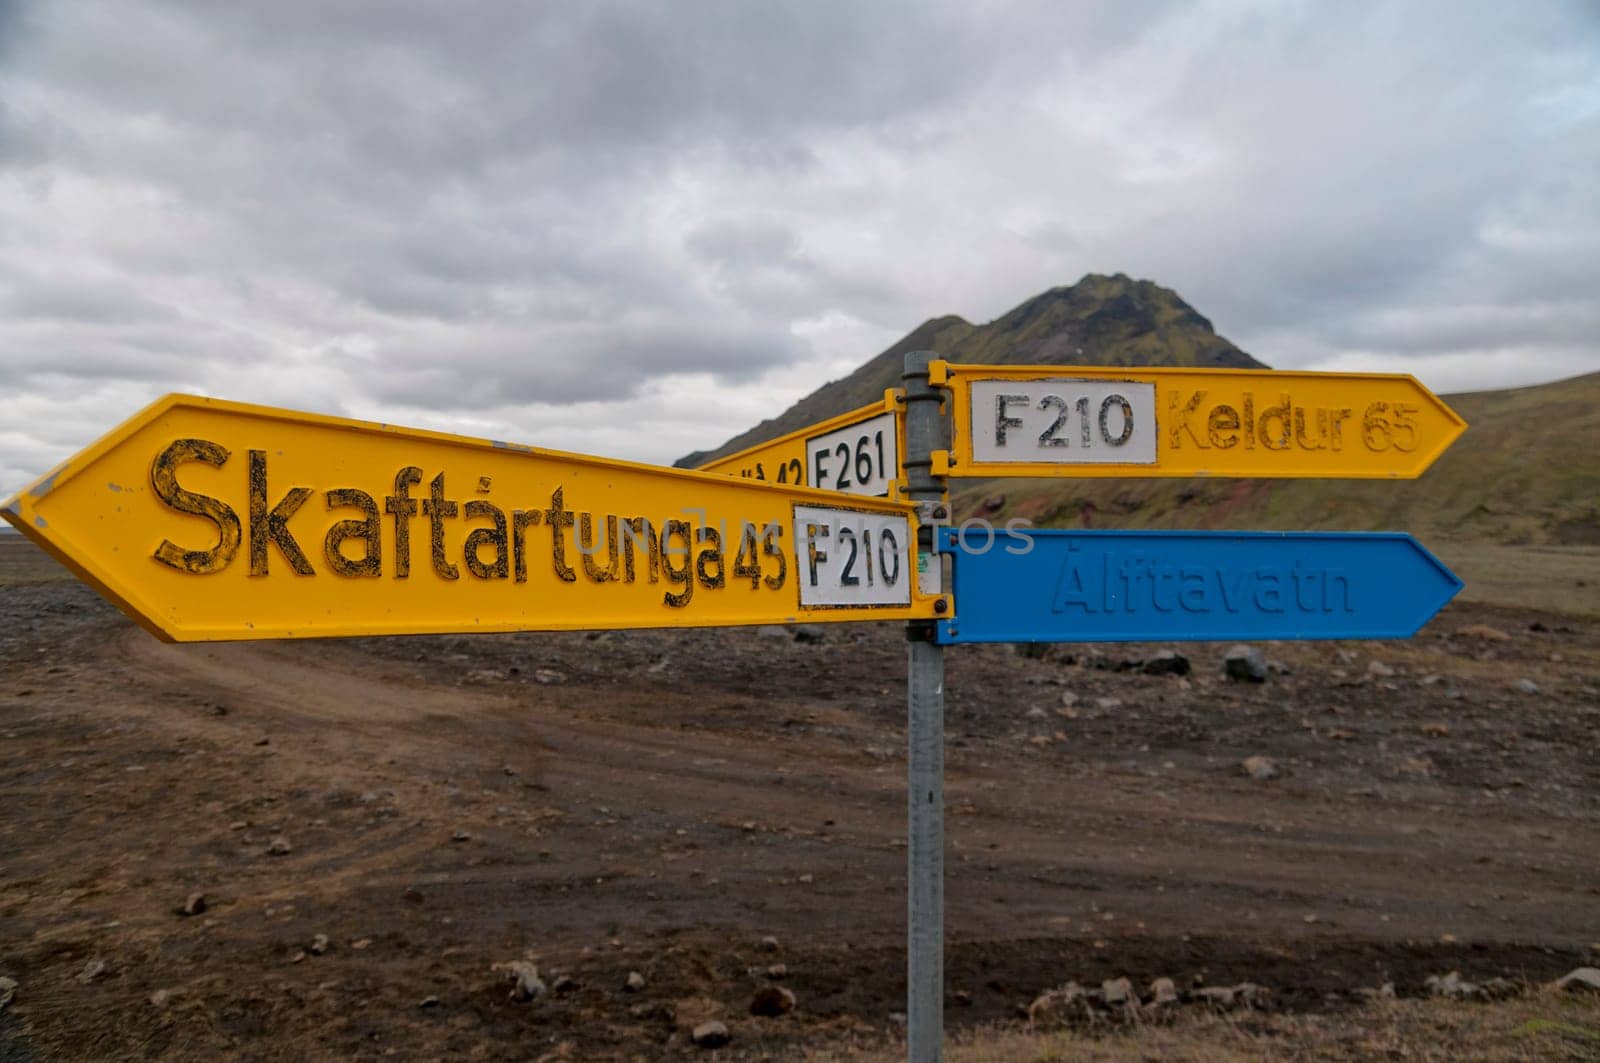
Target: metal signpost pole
(926,431)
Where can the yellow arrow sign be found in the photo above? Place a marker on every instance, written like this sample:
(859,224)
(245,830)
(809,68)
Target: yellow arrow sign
(856,452)
(205,519)
(1077,421)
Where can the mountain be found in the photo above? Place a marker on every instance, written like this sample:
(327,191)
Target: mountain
(1098,321)
(1525,472)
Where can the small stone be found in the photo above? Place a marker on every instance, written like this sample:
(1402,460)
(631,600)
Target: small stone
(1245,664)
(524,976)
(1379,670)
(263,741)
(361,943)
(1250,995)
(1436,730)
(319,945)
(460,836)
(634,983)
(160,998)
(807,879)
(1450,986)
(1525,686)
(778,970)
(1482,632)
(194,904)
(1057,1007)
(1167,662)
(1580,980)
(772,1001)
(428,1002)
(279,846)
(1036,713)
(1261,768)
(548,676)
(770,943)
(1068,699)
(1116,992)
(1218,996)
(92,970)
(565,983)
(772,631)
(711,1034)
(8,990)
(1163,991)
(810,633)
(1107,704)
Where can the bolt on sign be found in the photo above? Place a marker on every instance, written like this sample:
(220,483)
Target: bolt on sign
(856,452)
(205,519)
(1077,421)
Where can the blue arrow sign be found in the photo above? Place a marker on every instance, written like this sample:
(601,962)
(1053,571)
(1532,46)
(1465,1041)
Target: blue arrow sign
(1114,586)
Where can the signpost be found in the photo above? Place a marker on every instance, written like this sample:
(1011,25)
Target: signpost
(856,452)
(1078,422)
(214,520)
(1120,586)
(210,520)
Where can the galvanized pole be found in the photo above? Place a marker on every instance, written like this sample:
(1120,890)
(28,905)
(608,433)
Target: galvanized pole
(926,431)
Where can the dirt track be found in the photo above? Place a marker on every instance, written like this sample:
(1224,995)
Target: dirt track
(662,801)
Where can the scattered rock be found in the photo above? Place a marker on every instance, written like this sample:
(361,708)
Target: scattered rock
(711,1034)
(769,943)
(161,997)
(428,1002)
(635,982)
(460,836)
(319,945)
(1057,1007)
(263,741)
(778,970)
(1068,699)
(1218,996)
(1579,980)
(194,904)
(565,983)
(1036,713)
(1259,767)
(1383,992)
(92,970)
(772,1001)
(8,990)
(1245,664)
(772,631)
(1525,686)
(524,976)
(1108,704)
(810,633)
(1379,670)
(1117,992)
(1163,991)
(1482,632)
(279,846)
(548,676)
(1167,662)
(1250,995)
(1450,986)
(361,943)
(1436,730)
(806,879)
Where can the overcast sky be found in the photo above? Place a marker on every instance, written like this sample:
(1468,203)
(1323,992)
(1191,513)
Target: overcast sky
(635,229)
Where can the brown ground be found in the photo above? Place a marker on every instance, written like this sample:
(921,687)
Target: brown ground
(663,801)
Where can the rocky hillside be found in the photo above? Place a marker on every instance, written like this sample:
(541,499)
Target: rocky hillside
(1098,321)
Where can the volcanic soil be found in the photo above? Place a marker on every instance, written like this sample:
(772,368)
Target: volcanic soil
(362,831)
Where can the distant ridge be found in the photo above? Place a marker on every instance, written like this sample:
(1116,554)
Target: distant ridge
(1101,320)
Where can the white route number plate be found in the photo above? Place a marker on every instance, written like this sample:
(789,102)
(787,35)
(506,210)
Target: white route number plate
(846,557)
(1063,421)
(859,459)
